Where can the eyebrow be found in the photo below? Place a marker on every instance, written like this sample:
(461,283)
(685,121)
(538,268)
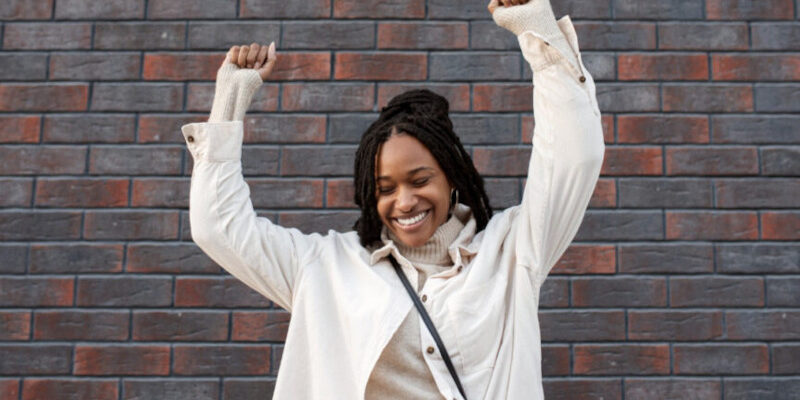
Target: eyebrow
(410,173)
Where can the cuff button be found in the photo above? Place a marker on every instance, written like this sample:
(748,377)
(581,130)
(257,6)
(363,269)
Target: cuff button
(190,139)
(582,79)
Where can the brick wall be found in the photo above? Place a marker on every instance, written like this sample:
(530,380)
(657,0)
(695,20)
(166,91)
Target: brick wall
(683,282)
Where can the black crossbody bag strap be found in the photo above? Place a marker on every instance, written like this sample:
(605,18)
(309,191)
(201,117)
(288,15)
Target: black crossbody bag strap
(427,319)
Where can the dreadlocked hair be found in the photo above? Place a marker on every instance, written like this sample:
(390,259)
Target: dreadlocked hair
(423,115)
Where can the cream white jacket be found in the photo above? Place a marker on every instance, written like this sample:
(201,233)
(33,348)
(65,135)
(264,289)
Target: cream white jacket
(346,301)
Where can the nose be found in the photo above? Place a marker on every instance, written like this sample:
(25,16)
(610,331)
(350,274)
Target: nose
(406,200)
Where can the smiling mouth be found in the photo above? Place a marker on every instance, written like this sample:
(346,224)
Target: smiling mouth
(411,222)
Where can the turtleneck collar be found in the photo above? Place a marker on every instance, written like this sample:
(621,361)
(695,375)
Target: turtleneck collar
(435,250)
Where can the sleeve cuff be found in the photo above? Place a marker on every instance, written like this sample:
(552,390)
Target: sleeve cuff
(214,141)
(541,52)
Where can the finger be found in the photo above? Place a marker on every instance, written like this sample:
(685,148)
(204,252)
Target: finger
(493,6)
(252,54)
(271,58)
(241,60)
(262,57)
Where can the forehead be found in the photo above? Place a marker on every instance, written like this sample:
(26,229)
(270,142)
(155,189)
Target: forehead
(402,154)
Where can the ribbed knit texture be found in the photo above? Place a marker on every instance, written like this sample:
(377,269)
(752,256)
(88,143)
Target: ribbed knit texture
(233,93)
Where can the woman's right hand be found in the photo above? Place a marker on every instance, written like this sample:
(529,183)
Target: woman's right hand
(254,56)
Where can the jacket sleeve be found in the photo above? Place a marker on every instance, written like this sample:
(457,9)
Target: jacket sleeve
(567,152)
(263,255)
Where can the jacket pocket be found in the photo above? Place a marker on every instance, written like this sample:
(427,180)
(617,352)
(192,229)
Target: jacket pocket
(479,316)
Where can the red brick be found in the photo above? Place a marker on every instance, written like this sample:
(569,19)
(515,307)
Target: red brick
(555,360)
(746,10)
(44,97)
(181,66)
(381,66)
(632,161)
(80,325)
(70,389)
(259,326)
(284,128)
(165,128)
(121,360)
(302,66)
(662,129)
(529,123)
(456,94)
(581,259)
(328,97)
(720,359)
(621,359)
(712,161)
(9,388)
(605,194)
(15,325)
(663,66)
(81,193)
(36,292)
(378,9)
(200,97)
(755,67)
(707,98)
(90,9)
(216,292)
(340,193)
(674,325)
(131,225)
(222,360)
(704,225)
(501,161)
(502,97)
(777,225)
(19,129)
(173,326)
(160,192)
(423,35)
(25,9)
(608,128)
(47,36)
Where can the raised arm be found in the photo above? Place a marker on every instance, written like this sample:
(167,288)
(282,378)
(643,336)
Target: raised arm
(259,253)
(568,137)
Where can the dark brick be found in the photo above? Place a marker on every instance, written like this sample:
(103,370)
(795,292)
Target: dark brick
(25,9)
(135,160)
(167,9)
(457,94)
(328,97)
(179,326)
(720,359)
(757,193)
(628,97)
(621,359)
(666,258)
(781,161)
(171,258)
(260,326)
(582,326)
(755,129)
(389,9)
(762,325)
(672,388)
(200,97)
(42,160)
(325,35)
(602,66)
(15,325)
(619,292)
(702,36)
(783,292)
(671,9)
(19,129)
(40,225)
(121,360)
(739,9)
(44,97)
(286,193)
(674,325)
(580,259)
(199,389)
(75,258)
(755,67)
(719,291)
(555,360)
(23,67)
(423,35)
(571,388)
(47,36)
(88,9)
(775,36)
(166,128)
(17,192)
(124,291)
(758,258)
(777,98)
(761,388)
(238,388)
(348,128)
(160,192)
(81,193)
(667,193)
(95,66)
(707,98)
(616,36)
(139,35)
(221,360)
(489,129)
(503,193)
(222,292)
(473,66)
(710,160)
(785,359)
(260,160)
(487,35)
(13,258)
(501,161)
(131,225)
(133,97)
(35,359)
(554,293)
(89,128)
(319,222)
(617,225)
(224,35)
(449,10)
(317,160)
(275,9)
(578,9)
(80,325)
(780,225)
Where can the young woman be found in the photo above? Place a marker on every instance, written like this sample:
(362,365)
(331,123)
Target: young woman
(355,332)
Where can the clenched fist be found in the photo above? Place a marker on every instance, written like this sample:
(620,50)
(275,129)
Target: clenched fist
(254,56)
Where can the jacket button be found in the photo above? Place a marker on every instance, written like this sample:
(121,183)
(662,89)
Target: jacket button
(190,139)
(430,350)
(424,298)
(460,268)
(582,79)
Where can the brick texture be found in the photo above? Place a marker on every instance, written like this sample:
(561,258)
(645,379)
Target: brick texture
(682,282)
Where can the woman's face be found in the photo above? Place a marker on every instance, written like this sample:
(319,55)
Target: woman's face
(412,190)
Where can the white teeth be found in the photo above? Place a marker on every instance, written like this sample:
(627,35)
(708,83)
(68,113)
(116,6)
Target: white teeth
(414,220)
